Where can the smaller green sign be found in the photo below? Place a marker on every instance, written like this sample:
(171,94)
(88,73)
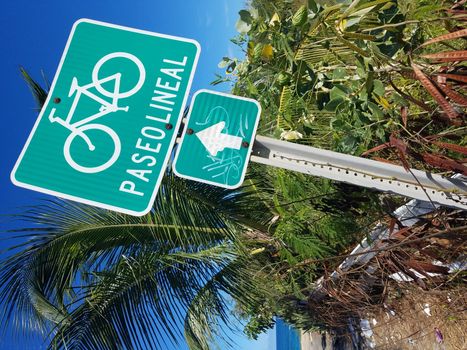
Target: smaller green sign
(217,140)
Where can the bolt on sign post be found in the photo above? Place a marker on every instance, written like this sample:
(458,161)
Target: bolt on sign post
(105,134)
(218,138)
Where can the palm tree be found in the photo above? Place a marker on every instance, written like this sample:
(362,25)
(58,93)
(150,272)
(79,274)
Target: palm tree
(89,278)
(92,279)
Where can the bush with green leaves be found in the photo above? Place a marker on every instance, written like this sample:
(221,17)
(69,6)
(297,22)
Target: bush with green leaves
(340,76)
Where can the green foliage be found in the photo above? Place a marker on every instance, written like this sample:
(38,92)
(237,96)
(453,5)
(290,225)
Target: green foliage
(338,78)
(331,79)
(315,219)
(313,75)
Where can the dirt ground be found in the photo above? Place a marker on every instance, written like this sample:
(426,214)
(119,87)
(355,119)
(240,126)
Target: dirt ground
(410,316)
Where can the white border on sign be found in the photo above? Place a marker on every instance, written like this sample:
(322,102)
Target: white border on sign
(245,166)
(172,142)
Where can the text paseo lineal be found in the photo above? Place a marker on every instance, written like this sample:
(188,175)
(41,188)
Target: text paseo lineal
(148,145)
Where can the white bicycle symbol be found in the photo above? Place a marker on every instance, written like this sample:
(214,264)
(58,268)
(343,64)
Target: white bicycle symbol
(81,127)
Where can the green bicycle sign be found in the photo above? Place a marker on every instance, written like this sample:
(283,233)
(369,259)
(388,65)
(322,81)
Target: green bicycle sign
(105,133)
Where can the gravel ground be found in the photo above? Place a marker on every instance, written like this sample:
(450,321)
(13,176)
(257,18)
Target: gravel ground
(411,319)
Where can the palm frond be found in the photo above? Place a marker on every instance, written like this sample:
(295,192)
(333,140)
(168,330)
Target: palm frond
(39,94)
(71,246)
(208,314)
(140,302)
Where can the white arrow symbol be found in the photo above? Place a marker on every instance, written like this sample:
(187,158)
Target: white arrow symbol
(214,141)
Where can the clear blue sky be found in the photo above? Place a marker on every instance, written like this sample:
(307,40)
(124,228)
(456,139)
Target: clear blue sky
(33,35)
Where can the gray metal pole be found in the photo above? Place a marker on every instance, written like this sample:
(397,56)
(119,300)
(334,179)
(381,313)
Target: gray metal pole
(360,171)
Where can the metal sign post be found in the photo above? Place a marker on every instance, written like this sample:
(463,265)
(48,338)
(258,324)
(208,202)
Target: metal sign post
(360,171)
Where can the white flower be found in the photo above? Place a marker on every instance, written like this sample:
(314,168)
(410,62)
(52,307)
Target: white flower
(242,27)
(275,19)
(291,135)
(427,310)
